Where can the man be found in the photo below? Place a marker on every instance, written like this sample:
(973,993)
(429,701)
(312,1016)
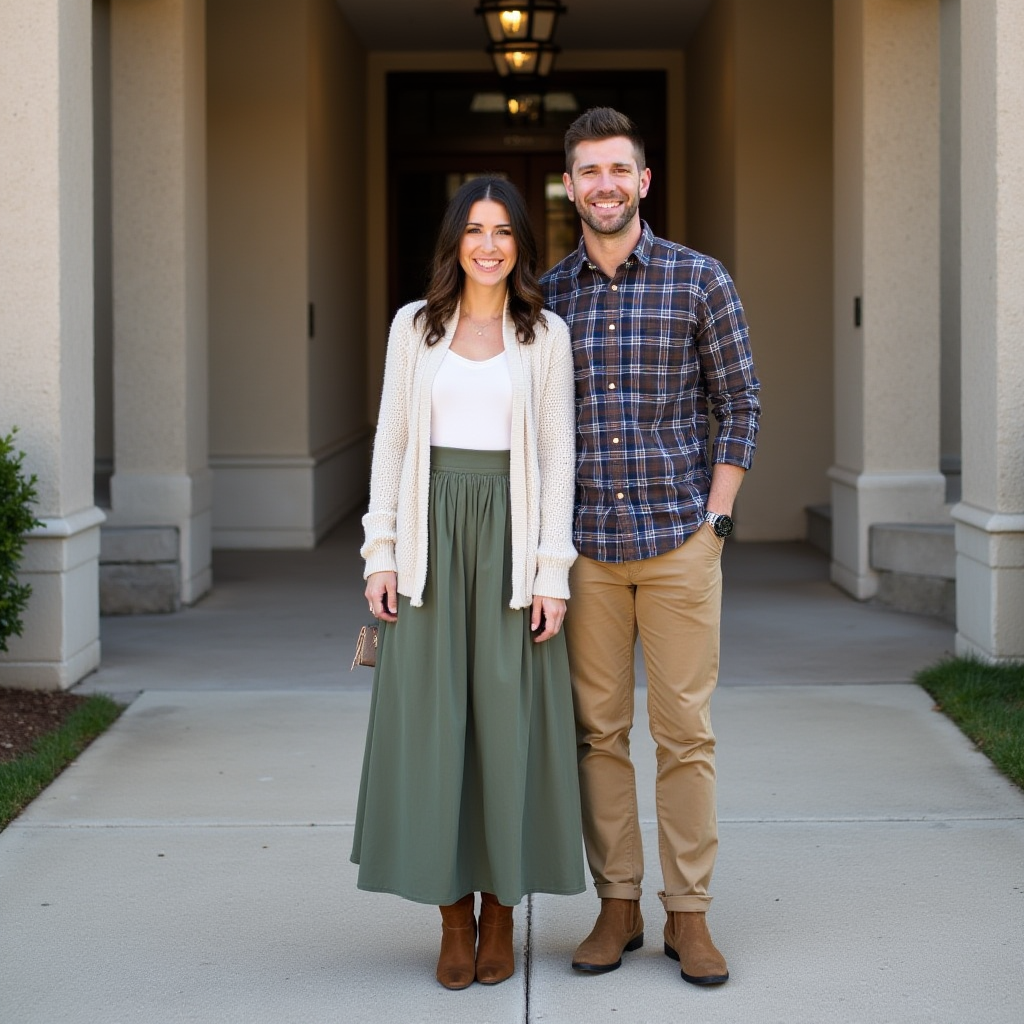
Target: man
(659,336)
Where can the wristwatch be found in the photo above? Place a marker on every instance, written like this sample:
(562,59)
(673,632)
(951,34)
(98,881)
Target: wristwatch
(721,524)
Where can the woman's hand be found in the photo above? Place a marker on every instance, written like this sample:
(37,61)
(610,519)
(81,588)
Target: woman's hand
(382,595)
(549,613)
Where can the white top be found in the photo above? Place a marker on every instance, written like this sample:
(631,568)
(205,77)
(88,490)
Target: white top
(471,403)
(541,458)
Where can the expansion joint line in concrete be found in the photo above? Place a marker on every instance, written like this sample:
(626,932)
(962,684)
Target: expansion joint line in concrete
(179,824)
(864,819)
(527,959)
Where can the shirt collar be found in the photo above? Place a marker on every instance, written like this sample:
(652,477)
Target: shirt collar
(642,250)
(581,259)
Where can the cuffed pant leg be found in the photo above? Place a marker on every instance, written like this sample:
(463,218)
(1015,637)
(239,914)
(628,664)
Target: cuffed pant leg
(678,604)
(600,630)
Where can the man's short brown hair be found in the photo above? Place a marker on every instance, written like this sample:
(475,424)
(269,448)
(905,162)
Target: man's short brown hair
(602,123)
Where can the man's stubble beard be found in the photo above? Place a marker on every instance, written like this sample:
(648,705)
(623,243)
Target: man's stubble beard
(609,228)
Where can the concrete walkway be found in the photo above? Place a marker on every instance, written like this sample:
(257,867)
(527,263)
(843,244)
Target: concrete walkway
(193,866)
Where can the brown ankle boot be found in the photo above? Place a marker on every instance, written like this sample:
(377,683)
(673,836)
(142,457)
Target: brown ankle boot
(495,960)
(619,929)
(456,965)
(688,940)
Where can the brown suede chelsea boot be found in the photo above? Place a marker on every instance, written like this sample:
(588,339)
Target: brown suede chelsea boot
(456,966)
(495,959)
(619,929)
(688,940)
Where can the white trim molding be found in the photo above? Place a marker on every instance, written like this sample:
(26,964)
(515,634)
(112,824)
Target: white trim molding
(288,501)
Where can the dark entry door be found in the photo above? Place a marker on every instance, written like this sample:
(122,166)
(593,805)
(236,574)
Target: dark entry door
(439,133)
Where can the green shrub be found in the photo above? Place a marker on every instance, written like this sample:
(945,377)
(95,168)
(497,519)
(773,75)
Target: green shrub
(16,496)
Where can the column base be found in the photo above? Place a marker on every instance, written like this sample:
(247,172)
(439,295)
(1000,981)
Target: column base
(861,499)
(60,644)
(184,501)
(287,501)
(989,584)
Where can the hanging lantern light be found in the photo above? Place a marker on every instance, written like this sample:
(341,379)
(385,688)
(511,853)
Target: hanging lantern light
(521,35)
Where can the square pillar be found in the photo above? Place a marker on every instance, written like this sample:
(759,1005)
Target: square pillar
(46,329)
(990,517)
(158,170)
(887,333)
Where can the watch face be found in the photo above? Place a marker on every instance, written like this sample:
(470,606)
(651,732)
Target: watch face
(722,526)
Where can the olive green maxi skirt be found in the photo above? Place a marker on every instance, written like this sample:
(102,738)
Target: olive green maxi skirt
(469,777)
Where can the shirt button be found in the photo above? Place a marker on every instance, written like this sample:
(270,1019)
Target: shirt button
(620,495)
(611,387)
(615,287)
(615,440)
(611,327)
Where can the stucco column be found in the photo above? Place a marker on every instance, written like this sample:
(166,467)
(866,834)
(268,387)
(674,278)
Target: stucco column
(46,333)
(886,276)
(158,133)
(990,517)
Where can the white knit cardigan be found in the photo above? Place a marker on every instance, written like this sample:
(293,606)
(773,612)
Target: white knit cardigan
(542,458)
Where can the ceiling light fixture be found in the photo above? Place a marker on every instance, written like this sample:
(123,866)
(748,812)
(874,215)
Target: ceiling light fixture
(521,35)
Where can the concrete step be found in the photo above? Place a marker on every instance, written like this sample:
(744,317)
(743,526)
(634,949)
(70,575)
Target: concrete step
(133,544)
(139,570)
(915,562)
(916,566)
(819,527)
(921,549)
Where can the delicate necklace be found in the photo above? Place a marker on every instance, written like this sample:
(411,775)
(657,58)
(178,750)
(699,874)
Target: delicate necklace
(479,326)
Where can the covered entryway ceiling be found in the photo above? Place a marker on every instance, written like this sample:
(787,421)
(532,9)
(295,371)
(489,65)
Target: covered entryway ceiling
(588,25)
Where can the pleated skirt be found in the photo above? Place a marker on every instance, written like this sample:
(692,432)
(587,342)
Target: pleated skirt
(469,779)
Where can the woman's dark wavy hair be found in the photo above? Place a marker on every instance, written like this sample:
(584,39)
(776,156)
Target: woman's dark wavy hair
(525,298)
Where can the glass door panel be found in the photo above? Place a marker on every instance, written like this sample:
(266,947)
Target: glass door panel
(561,224)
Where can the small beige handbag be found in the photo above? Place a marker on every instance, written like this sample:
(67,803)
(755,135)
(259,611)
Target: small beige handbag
(366,647)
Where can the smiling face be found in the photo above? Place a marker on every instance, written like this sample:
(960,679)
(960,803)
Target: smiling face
(606,185)
(487,251)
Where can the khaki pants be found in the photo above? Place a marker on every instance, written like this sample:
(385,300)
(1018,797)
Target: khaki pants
(673,602)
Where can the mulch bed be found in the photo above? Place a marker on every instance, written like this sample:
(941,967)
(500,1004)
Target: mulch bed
(25,715)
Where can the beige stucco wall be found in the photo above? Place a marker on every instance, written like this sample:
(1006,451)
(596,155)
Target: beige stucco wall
(159,274)
(848,216)
(901,221)
(760,176)
(46,325)
(887,224)
(258,201)
(993,235)
(103,288)
(338,419)
(711,135)
(46,255)
(159,213)
(990,518)
(288,437)
(887,215)
(783,266)
(950,255)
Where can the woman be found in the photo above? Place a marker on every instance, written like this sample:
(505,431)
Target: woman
(469,776)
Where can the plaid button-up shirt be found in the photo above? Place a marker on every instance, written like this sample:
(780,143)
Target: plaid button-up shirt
(654,348)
